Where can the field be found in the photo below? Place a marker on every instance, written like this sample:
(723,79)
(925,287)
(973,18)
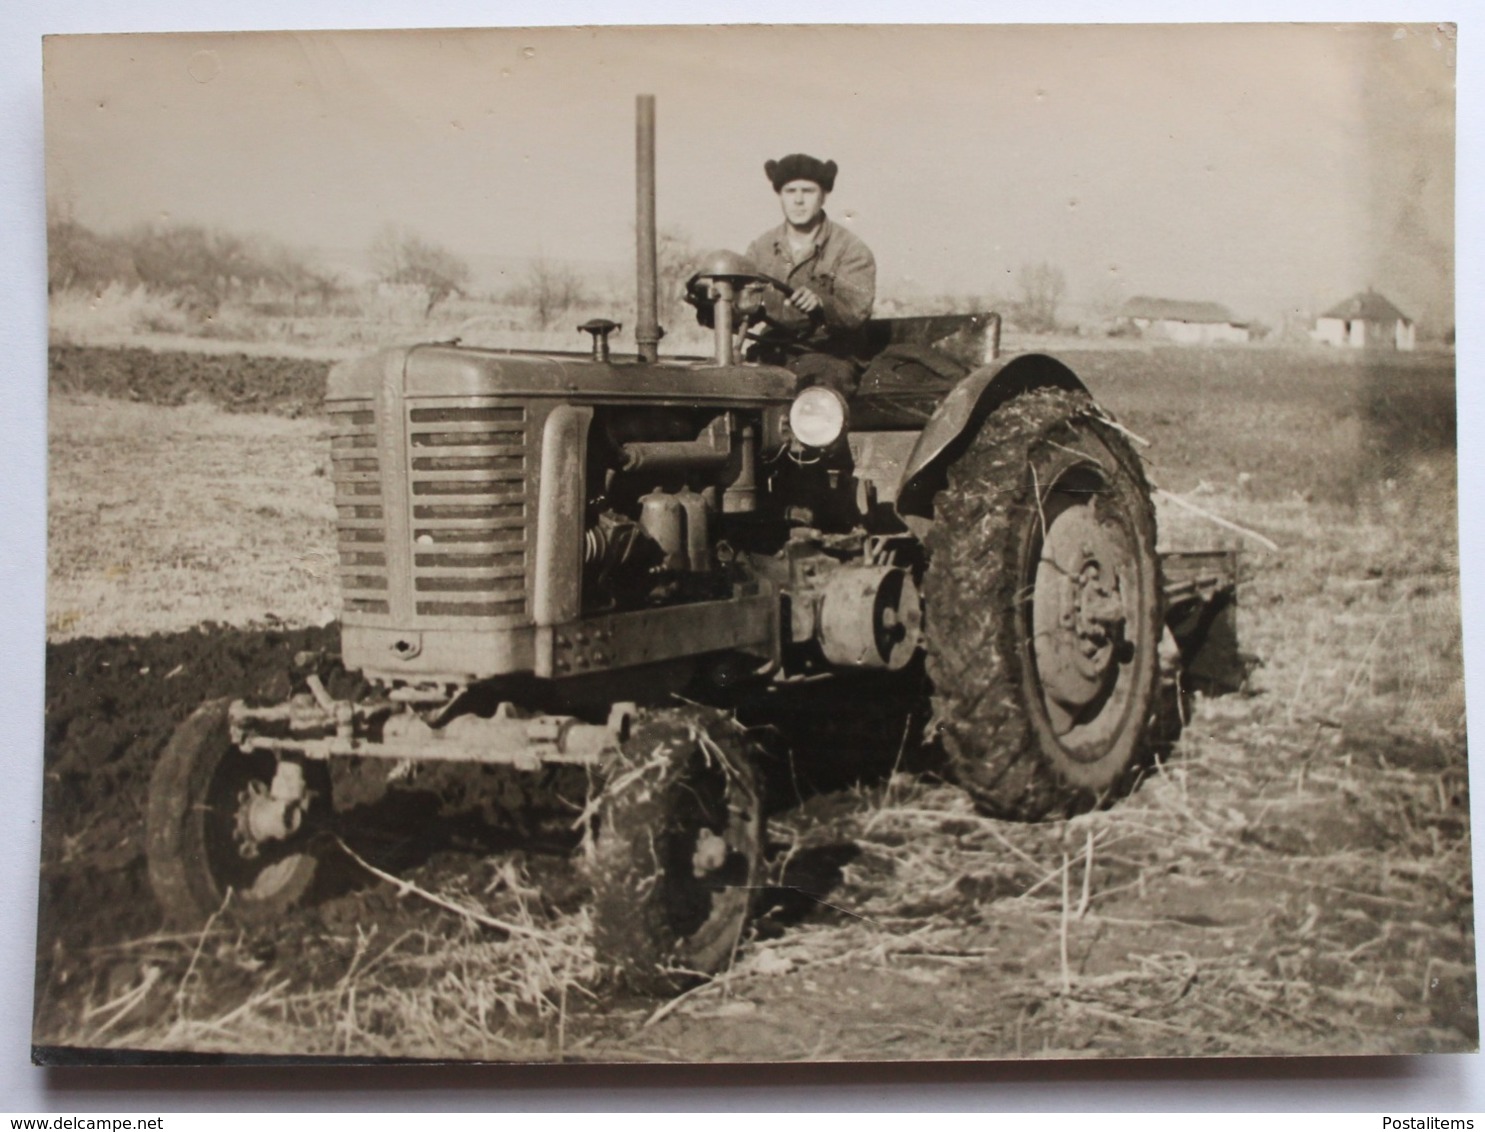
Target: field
(1293,879)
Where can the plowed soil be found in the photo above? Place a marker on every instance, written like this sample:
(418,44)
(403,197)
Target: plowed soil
(110,707)
(243,383)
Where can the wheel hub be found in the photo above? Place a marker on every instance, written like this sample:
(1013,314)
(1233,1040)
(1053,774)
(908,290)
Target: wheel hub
(1078,611)
(1096,613)
(270,812)
(710,854)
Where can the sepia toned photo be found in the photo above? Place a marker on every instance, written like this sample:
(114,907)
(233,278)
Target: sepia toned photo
(753,544)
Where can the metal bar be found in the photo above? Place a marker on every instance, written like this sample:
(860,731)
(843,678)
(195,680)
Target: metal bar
(722,325)
(679,455)
(528,758)
(453,451)
(460,414)
(561,491)
(621,640)
(392,451)
(433,534)
(506,520)
(520,742)
(647,327)
(1209,581)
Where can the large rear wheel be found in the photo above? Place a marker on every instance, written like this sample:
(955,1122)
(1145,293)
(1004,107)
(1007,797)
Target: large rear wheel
(227,830)
(1044,610)
(677,852)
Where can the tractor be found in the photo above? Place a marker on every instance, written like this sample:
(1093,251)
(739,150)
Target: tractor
(584,559)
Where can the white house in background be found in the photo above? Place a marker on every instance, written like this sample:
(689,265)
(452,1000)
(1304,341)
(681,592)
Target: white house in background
(1365,319)
(1179,320)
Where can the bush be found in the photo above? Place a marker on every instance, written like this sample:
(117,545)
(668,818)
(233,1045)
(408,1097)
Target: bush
(404,259)
(80,315)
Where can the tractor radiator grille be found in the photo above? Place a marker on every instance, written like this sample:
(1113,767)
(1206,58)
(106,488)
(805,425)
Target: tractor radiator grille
(360,511)
(467,489)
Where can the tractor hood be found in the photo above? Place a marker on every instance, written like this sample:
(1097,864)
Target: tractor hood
(455,371)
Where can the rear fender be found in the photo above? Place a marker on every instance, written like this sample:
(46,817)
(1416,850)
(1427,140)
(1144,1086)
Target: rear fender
(959,417)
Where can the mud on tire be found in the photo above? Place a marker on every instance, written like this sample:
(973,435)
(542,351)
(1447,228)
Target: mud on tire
(677,852)
(194,843)
(1043,610)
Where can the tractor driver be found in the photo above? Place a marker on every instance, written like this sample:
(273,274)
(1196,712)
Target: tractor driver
(832,273)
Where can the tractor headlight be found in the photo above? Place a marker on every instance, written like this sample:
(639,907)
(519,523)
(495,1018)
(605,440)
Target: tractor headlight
(818,416)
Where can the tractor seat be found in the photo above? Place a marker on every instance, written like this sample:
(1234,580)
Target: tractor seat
(968,339)
(912,363)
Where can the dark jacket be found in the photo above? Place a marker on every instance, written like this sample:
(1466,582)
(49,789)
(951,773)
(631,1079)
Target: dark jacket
(840,269)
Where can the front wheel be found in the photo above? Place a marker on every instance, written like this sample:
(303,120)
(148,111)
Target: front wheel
(1043,617)
(677,852)
(226,830)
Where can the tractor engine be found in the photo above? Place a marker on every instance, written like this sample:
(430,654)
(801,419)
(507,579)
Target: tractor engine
(660,482)
(502,515)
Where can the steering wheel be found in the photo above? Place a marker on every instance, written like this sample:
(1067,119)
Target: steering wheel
(738,273)
(785,334)
(739,279)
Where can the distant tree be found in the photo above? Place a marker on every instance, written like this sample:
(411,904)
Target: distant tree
(676,259)
(202,265)
(1040,288)
(963,303)
(290,271)
(405,258)
(76,256)
(551,289)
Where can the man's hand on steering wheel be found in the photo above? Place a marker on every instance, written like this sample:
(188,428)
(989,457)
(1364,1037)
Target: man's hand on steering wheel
(801,299)
(804,300)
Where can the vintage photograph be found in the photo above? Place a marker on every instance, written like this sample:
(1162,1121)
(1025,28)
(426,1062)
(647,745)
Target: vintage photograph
(753,544)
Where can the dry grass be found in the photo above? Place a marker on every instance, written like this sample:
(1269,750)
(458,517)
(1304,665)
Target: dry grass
(111,315)
(422,979)
(1261,896)
(162,518)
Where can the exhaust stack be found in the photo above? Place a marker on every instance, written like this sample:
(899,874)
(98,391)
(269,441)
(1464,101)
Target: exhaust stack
(647,330)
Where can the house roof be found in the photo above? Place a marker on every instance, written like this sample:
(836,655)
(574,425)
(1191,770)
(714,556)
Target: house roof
(1367,305)
(1176,310)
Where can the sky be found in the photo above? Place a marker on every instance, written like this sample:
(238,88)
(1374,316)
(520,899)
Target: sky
(1273,168)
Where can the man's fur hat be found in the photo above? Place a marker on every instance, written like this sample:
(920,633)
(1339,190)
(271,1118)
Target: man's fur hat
(800,167)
